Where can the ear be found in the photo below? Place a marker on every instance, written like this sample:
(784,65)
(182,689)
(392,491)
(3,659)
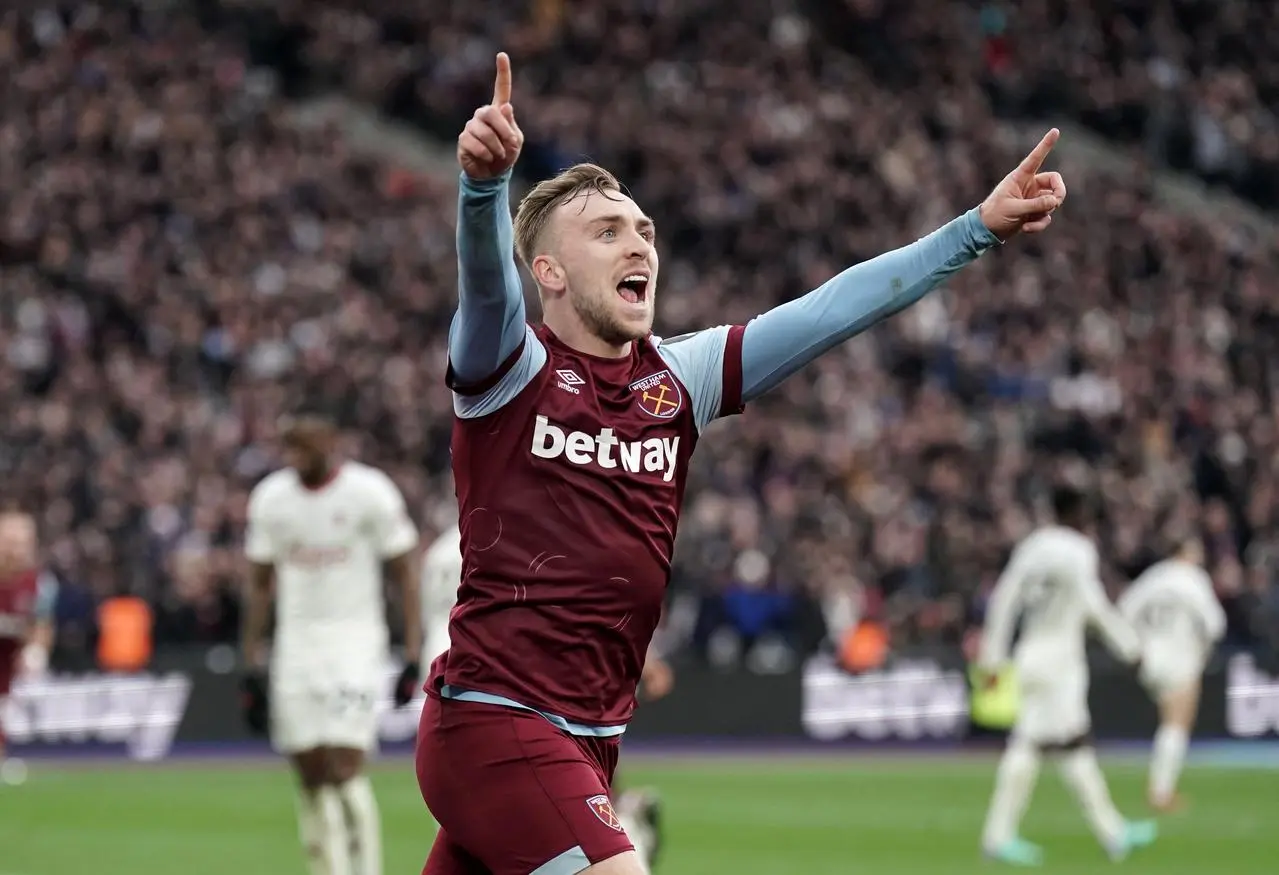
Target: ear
(548,273)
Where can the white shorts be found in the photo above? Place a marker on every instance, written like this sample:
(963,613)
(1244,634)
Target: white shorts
(1053,710)
(1166,672)
(311,709)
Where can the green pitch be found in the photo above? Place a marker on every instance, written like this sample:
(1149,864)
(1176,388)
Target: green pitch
(725,817)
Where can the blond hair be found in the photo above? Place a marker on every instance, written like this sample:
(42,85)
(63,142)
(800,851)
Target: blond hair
(535,208)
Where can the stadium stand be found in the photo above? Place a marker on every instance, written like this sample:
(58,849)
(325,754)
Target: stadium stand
(180,261)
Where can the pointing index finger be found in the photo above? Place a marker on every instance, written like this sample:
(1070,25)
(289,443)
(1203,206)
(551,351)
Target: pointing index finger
(1031,163)
(502,82)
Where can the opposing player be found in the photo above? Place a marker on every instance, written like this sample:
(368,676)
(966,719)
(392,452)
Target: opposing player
(27,600)
(1051,584)
(441,576)
(571,447)
(321,534)
(638,810)
(1175,612)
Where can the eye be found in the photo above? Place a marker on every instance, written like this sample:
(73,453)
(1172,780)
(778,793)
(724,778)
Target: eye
(648,234)
(608,233)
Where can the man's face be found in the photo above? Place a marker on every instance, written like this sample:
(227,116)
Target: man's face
(307,445)
(604,245)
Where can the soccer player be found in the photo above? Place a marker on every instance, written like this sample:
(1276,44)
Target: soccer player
(1177,615)
(1051,583)
(638,810)
(27,599)
(571,446)
(441,576)
(321,533)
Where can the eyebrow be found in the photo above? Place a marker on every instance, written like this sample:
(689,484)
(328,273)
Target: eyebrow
(618,219)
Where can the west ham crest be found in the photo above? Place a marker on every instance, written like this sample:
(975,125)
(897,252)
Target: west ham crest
(659,395)
(602,807)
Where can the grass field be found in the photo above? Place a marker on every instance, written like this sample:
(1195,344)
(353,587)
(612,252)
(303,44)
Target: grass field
(726,817)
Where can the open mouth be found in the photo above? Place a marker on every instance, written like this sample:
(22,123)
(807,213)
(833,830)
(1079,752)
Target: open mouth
(634,288)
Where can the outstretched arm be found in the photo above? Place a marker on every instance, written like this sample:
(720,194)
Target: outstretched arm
(783,340)
(489,324)
(786,338)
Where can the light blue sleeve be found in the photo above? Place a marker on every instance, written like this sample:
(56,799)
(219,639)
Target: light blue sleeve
(489,323)
(697,361)
(783,340)
(46,596)
(531,360)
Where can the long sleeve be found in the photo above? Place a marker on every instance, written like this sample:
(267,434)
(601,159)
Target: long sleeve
(778,343)
(1207,609)
(1001,614)
(1119,636)
(488,326)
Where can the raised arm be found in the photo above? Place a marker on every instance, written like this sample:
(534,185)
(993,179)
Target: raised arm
(786,338)
(783,340)
(489,324)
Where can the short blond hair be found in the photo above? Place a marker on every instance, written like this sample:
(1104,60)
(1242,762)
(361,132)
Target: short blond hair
(536,207)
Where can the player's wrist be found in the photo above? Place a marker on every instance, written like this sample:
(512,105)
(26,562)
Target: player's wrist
(983,235)
(486,183)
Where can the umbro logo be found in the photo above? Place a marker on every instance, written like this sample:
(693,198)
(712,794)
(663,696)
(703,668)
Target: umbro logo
(569,380)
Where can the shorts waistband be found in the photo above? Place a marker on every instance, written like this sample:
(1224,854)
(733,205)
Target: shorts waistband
(561,723)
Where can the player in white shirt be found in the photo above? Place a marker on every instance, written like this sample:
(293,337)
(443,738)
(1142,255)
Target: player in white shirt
(321,536)
(639,810)
(1174,610)
(441,576)
(1052,584)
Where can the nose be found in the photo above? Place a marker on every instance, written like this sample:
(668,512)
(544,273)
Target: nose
(639,247)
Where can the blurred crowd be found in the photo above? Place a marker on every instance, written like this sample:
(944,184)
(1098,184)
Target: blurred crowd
(1191,84)
(180,263)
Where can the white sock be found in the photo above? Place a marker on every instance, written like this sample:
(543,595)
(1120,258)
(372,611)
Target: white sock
(639,835)
(311,833)
(1014,783)
(366,825)
(334,837)
(1083,775)
(1166,761)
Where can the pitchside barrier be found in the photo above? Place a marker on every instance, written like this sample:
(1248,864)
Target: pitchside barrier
(188,700)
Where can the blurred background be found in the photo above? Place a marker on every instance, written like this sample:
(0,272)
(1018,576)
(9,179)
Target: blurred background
(210,209)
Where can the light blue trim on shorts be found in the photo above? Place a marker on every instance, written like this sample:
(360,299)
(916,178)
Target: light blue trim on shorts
(570,862)
(555,720)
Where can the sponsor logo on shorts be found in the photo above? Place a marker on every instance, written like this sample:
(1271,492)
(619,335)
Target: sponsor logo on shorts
(602,807)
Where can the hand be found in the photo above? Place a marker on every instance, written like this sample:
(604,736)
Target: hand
(491,141)
(657,678)
(406,684)
(1026,198)
(253,701)
(34,660)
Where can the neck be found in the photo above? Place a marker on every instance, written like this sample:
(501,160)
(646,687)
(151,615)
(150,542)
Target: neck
(574,334)
(319,477)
